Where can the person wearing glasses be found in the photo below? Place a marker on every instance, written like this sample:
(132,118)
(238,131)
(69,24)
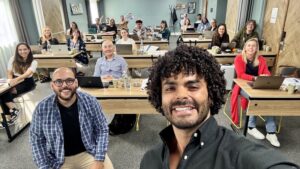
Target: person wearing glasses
(68,128)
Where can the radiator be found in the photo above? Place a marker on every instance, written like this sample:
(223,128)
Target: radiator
(229,74)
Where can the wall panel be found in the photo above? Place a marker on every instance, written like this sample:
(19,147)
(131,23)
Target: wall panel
(231,17)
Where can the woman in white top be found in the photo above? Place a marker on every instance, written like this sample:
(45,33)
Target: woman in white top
(126,40)
(20,69)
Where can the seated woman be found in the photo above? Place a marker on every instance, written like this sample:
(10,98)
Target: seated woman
(246,33)
(111,27)
(73,28)
(213,25)
(248,66)
(45,41)
(123,23)
(126,40)
(220,36)
(186,24)
(20,69)
(76,44)
(203,25)
(164,30)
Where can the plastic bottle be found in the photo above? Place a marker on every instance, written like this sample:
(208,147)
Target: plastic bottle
(142,46)
(48,46)
(126,80)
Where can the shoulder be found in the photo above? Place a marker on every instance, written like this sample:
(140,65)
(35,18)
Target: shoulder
(45,103)
(261,59)
(238,57)
(153,157)
(85,96)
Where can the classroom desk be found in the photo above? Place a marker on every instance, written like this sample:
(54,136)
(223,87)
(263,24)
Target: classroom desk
(162,44)
(17,127)
(123,101)
(144,60)
(103,35)
(204,43)
(94,45)
(55,60)
(268,102)
(190,34)
(228,58)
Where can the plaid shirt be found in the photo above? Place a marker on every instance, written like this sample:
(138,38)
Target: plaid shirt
(46,132)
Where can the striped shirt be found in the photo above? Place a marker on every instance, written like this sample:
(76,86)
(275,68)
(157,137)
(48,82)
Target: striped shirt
(114,67)
(46,132)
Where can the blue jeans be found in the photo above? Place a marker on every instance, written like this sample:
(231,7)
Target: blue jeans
(270,123)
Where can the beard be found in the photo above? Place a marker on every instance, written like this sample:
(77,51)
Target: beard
(184,123)
(67,97)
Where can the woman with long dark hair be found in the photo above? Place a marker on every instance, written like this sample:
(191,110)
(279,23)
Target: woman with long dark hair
(220,36)
(20,69)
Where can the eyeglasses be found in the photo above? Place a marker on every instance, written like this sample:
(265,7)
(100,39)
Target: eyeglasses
(60,82)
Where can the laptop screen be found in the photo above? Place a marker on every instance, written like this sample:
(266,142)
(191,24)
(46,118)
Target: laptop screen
(90,82)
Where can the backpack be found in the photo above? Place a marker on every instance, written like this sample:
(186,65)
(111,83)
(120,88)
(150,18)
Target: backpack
(122,123)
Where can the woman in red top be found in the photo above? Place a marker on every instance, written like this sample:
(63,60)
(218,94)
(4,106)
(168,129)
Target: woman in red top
(248,66)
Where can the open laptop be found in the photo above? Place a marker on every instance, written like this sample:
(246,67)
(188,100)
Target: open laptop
(267,82)
(124,49)
(60,49)
(208,34)
(90,82)
(190,29)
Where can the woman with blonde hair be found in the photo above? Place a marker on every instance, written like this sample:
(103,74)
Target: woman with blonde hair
(47,38)
(248,66)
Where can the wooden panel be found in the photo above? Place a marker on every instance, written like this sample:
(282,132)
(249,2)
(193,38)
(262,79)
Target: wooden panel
(56,63)
(290,54)
(93,47)
(54,18)
(139,63)
(274,107)
(272,31)
(231,17)
(127,106)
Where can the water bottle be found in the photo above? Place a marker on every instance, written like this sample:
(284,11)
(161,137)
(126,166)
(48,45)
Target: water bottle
(48,46)
(142,46)
(126,80)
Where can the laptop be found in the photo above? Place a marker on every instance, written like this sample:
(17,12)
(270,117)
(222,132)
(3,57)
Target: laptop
(190,29)
(90,82)
(267,82)
(208,34)
(61,49)
(124,49)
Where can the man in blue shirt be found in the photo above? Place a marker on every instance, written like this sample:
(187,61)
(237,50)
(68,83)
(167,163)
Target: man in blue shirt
(68,128)
(110,66)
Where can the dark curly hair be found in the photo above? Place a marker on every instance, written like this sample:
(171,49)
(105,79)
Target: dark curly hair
(187,59)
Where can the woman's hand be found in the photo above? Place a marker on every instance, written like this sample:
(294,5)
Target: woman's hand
(13,82)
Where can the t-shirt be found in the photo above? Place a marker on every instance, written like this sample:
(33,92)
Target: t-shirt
(128,41)
(32,67)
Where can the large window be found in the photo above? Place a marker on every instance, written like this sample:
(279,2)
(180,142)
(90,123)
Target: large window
(94,11)
(8,35)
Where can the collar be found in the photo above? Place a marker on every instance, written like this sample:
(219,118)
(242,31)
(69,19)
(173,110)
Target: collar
(113,58)
(205,135)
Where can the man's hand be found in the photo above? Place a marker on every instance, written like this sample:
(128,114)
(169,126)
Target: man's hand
(98,165)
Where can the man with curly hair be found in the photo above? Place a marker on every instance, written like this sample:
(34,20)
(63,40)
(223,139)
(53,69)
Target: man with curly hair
(187,86)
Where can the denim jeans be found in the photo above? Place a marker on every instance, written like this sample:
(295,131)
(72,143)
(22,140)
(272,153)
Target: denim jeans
(270,123)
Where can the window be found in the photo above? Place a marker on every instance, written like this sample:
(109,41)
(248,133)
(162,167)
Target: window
(94,11)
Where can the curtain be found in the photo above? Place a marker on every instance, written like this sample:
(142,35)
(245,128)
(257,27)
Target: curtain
(8,36)
(39,16)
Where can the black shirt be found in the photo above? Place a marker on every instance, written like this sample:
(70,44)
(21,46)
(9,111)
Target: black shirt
(215,147)
(250,69)
(71,129)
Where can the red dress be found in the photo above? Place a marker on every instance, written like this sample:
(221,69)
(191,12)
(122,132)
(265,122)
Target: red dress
(240,69)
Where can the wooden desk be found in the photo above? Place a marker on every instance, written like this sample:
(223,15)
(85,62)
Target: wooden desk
(55,60)
(204,43)
(190,34)
(20,127)
(162,44)
(143,60)
(123,101)
(94,45)
(228,58)
(269,102)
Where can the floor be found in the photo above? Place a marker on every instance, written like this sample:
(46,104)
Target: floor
(126,150)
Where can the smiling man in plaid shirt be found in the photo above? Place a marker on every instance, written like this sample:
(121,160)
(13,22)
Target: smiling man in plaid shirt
(68,128)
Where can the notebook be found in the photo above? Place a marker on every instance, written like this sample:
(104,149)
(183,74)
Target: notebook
(124,49)
(267,82)
(61,49)
(90,82)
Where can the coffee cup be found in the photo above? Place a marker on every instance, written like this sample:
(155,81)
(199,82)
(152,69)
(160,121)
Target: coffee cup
(291,89)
